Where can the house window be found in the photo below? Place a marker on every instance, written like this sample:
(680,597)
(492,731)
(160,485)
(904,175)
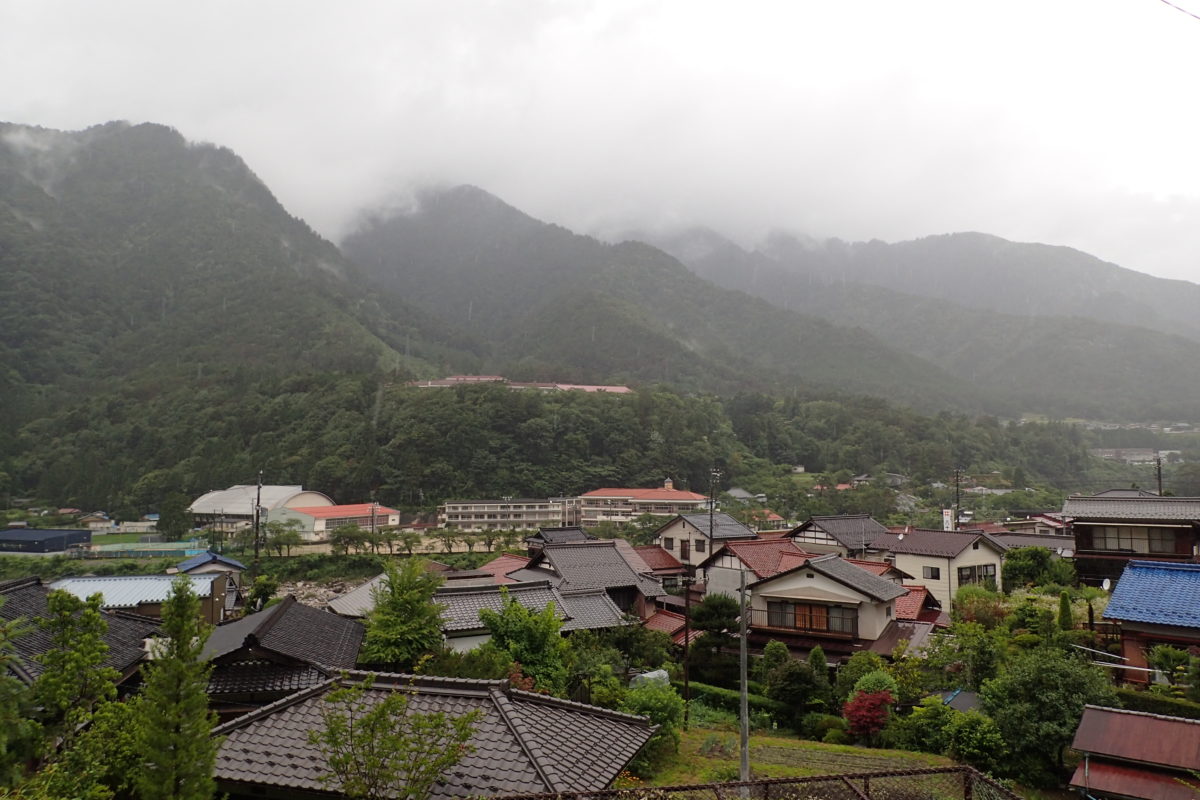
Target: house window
(685,549)
(981,573)
(668,543)
(931,573)
(887,612)
(1162,541)
(699,545)
(975,545)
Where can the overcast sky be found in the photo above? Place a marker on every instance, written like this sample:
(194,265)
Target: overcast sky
(1071,122)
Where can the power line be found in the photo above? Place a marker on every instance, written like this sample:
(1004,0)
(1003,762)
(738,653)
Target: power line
(1180,10)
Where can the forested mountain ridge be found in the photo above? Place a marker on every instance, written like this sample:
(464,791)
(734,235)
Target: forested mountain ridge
(1055,364)
(140,275)
(555,303)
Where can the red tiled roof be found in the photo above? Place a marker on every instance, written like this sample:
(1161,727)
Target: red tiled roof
(646,494)
(1119,780)
(909,606)
(657,559)
(668,622)
(764,556)
(879,568)
(354,510)
(503,564)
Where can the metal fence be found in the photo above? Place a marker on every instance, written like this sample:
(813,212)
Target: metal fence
(938,783)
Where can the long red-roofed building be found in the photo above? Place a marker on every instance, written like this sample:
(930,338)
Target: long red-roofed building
(625,505)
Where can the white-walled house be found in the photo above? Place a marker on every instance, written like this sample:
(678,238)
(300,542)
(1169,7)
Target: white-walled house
(943,561)
(691,539)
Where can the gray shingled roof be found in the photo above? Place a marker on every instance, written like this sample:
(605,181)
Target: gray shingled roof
(1182,509)
(837,568)
(942,544)
(524,743)
(723,526)
(572,533)
(589,609)
(26,599)
(852,531)
(595,565)
(294,630)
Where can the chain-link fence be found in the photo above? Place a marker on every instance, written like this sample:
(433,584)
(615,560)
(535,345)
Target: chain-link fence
(939,783)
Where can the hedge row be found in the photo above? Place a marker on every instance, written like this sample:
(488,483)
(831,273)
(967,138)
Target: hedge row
(730,700)
(1165,705)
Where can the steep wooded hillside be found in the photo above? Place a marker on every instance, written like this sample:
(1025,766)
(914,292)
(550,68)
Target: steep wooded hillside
(555,303)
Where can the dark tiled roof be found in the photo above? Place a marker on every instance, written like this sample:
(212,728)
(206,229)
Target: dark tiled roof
(204,558)
(294,630)
(257,676)
(1052,543)
(1159,592)
(857,578)
(594,565)
(1180,509)
(524,743)
(560,535)
(914,632)
(852,531)
(723,526)
(591,608)
(923,542)
(26,599)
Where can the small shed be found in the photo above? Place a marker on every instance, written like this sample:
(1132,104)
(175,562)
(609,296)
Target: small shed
(38,540)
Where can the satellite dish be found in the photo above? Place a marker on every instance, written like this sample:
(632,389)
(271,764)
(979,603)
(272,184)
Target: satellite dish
(900,538)
(1106,584)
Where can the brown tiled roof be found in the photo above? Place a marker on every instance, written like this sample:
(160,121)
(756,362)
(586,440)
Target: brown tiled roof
(837,568)
(25,598)
(1107,779)
(1172,742)
(909,606)
(294,630)
(503,564)
(524,743)
(667,622)
(764,556)
(658,559)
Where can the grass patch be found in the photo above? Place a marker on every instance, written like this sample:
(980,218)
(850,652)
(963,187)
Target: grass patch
(50,568)
(707,754)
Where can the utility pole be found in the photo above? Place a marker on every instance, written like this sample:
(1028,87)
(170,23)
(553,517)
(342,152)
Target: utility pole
(957,496)
(1158,470)
(686,580)
(743,659)
(257,520)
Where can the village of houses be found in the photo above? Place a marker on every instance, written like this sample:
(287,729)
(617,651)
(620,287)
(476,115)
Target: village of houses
(844,583)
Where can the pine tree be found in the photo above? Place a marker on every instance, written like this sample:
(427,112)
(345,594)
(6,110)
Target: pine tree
(174,726)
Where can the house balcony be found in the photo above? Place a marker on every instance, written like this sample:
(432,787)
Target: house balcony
(806,624)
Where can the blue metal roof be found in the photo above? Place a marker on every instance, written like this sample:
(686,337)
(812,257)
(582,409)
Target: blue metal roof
(204,558)
(1160,592)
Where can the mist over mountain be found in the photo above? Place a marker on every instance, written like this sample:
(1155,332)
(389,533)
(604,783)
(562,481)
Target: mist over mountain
(1062,355)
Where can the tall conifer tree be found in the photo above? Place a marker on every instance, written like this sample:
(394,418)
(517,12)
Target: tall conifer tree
(174,724)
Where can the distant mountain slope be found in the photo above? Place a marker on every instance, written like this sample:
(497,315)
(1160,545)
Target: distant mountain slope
(982,271)
(1057,364)
(553,301)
